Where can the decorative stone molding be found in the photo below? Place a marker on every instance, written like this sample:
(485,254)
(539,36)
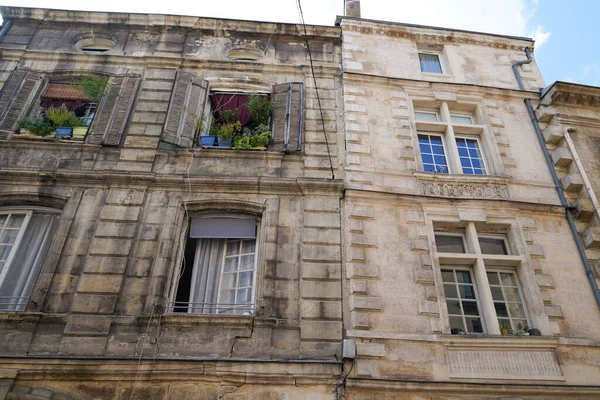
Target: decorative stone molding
(245,52)
(529,365)
(465,190)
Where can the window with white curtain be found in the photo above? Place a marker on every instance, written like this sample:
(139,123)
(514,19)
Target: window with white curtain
(25,237)
(218,271)
(431,62)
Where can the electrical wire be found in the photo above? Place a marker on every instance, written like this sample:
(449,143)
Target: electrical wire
(312,69)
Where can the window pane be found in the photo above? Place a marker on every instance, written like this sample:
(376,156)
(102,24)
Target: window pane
(228,281)
(248,246)
(470,156)
(493,246)
(516,310)
(461,119)
(501,310)
(4,252)
(233,247)
(463,276)
(231,264)
(470,308)
(448,275)
(245,279)
(508,279)
(247,262)
(454,307)
(450,291)
(8,236)
(429,116)
(497,293)
(3,218)
(430,63)
(474,325)
(467,292)
(512,294)
(244,296)
(449,244)
(433,155)
(16,220)
(457,323)
(227,297)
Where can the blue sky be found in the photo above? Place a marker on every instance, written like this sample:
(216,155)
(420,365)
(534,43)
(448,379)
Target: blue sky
(567,45)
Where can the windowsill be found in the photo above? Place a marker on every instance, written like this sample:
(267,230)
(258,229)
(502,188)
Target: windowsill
(233,148)
(437,75)
(20,316)
(47,139)
(459,178)
(503,341)
(188,319)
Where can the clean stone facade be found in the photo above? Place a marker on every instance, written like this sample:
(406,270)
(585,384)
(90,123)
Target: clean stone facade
(396,304)
(97,324)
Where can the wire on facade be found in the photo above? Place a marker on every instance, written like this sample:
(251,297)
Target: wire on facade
(312,69)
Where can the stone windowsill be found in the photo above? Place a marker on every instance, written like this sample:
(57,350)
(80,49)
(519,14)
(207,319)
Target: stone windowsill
(499,341)
(461,178)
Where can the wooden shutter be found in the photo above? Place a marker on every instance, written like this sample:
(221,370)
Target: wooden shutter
(187,105)
(288,109)
(108,126)
(16,97)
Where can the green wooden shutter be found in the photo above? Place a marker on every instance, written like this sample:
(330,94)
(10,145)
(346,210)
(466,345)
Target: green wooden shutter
(187,105)
(110,121)
(288,110)
(17,95)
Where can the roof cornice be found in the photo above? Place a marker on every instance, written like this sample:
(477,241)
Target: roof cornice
(572,94)
(431,34)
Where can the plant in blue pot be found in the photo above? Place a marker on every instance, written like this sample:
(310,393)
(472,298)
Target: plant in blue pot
(62,120)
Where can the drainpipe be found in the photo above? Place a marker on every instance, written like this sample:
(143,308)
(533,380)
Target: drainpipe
(561,195)
(5,27)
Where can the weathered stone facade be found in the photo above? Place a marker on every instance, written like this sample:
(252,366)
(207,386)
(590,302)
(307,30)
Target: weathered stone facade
(398,305)
(348,249)
(97,324)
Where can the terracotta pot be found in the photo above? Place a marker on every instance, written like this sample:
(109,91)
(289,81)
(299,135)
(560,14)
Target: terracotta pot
(504,332)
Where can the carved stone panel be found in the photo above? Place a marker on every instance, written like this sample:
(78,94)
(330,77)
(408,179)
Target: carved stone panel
(495,364)
(465,190)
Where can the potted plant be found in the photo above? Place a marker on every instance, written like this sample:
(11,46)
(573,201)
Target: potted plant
(79,128)
(35,125)
(504,330)
(211,138)
(259,108)
(62,120)
(228,127)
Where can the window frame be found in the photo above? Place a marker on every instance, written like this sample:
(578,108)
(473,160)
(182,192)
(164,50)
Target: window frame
(17,243)
(440,57)
(455,234)
(444,147)
(477,139)
(462,114)
(173,304)
(469,269)
(480,264)
(427,111)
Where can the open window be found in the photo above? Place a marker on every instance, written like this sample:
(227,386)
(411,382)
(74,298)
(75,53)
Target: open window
(27,94)
(218,271)
(25,237)
(196,109)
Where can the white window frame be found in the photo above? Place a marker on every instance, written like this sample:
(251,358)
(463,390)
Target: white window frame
(479,270)
(478,140)
(17,243)
(469,269)
(462,114)
(444,146)
(427,111)
(173,304)
(440,56)
(455,234)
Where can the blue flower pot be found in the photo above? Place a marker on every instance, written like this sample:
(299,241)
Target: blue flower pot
(64,132)
(226,143)
(208,140)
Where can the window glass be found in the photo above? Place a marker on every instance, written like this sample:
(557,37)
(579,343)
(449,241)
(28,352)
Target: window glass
(470,156)
(433,155)
(493,245)
(429,116)
(449,244)
(461,300)
(222,277)
(461,119)
(430,63)
(507,299)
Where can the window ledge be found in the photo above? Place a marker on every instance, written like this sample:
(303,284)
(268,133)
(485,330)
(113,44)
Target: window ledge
(437,75)
(499,341)
(460,178)
(20,316)
(185,319)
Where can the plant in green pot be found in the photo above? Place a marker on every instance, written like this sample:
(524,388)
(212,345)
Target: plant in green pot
(79,128)
(62,120)
(36,125)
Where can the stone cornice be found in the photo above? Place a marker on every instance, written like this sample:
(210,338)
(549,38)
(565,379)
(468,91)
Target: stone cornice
(572,94)
(152,181)
(323,33)
(433,35)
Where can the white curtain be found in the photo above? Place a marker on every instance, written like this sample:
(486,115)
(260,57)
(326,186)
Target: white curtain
(27,262)
(430,63)
(204,292)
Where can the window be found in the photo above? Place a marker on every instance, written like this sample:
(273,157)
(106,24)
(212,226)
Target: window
(449,147)
(25,237)
(431,62)
(58,93)
(196,102)
(218,274)
(480,282)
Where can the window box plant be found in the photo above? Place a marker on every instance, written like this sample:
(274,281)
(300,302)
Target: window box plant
(62,119)
(35,126)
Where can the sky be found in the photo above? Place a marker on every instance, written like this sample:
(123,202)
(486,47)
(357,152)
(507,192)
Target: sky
(567,46)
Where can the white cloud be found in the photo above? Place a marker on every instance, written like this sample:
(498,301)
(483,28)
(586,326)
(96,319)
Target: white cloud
(539,35)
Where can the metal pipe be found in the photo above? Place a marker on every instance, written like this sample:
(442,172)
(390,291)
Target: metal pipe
(5,27)
(561,195)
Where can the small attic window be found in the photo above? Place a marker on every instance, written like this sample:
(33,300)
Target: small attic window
(94,43)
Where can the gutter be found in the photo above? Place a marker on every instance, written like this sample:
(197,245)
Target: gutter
(557,185)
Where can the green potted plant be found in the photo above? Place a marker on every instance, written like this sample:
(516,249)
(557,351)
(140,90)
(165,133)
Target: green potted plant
(35,125)
(62,120)
(79,128)
(504,330)
(228,127)
(259,108)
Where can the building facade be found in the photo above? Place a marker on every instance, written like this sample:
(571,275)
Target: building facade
(138,263)
(400,235)
(462,277)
